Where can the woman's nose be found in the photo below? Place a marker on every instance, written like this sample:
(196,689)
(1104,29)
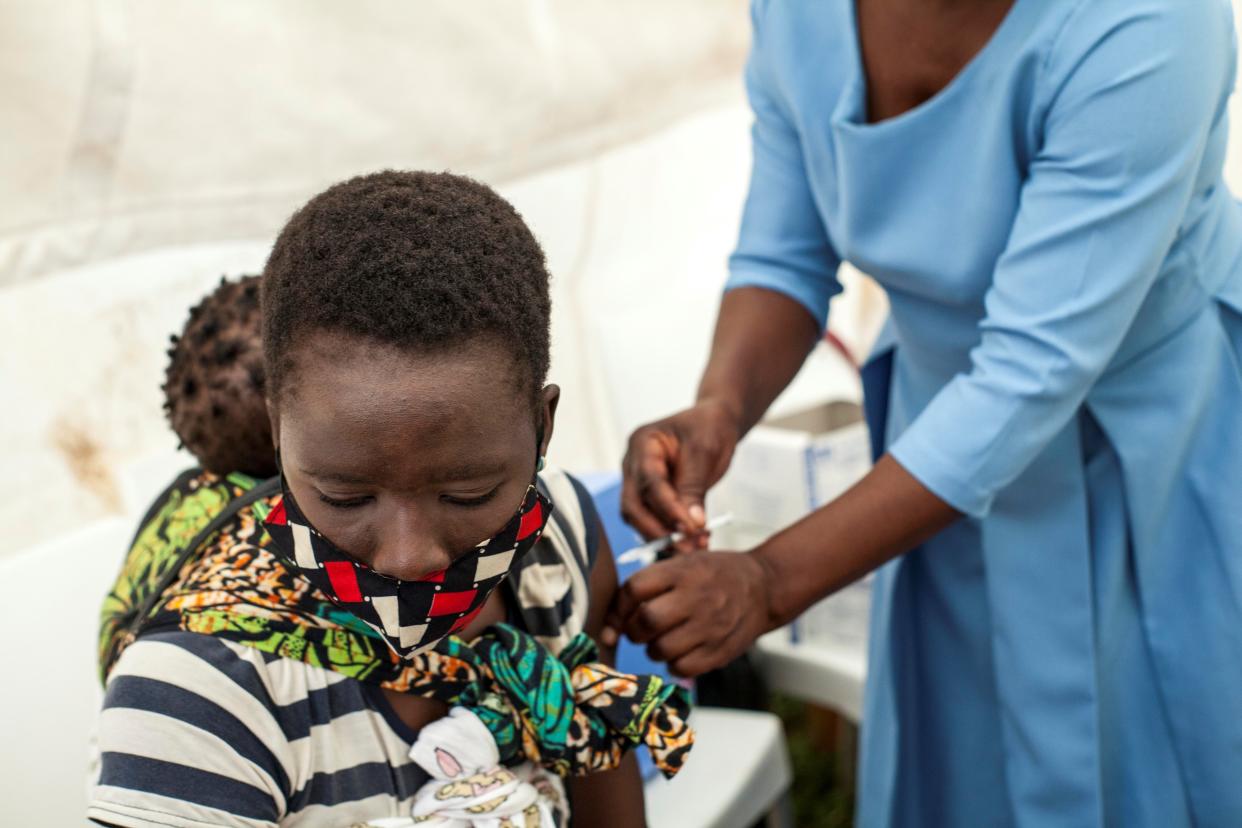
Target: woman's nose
(408,549)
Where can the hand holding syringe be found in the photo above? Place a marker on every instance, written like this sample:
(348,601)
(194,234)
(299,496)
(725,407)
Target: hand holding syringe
(646,554)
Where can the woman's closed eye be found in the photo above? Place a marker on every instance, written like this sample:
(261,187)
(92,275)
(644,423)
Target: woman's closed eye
(468,501)
(345,502)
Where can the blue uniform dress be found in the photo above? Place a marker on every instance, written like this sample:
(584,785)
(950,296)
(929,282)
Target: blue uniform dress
(1061,364)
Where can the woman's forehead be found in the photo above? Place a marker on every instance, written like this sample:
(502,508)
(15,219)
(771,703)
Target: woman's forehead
(381,401)
(443,376)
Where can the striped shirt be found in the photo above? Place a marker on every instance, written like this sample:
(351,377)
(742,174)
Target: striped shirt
(200,731)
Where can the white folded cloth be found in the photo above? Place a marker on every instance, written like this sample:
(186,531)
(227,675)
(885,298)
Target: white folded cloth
(469,787)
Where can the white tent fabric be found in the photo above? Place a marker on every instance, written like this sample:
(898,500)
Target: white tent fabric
(133,124)
(150,147)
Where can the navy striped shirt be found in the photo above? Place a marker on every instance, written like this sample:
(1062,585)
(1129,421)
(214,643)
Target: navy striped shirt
(199,731)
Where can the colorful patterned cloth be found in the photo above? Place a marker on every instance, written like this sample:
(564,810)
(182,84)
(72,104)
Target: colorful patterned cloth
(570,713)
(185,509)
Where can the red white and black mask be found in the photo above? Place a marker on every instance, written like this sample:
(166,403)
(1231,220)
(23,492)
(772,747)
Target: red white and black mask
(412,616)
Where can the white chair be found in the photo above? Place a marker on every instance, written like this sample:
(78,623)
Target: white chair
(50,694)
(829,674)
(738,774)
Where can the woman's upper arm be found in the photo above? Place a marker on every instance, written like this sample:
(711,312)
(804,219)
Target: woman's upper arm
(603,586)
(1134,91)
(611,799)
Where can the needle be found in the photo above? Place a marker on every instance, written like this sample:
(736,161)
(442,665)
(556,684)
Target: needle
(646,553)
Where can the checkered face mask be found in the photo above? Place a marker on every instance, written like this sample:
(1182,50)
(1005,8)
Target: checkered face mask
(411,615)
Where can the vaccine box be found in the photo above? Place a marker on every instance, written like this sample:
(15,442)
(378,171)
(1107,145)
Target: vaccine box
(791,465)
(787,467)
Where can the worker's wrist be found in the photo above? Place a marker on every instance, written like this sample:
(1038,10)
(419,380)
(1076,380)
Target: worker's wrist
(727,409)
(777,604)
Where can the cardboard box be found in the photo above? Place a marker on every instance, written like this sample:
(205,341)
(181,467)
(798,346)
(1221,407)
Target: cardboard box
(789,466)
(786,468)
(840,620)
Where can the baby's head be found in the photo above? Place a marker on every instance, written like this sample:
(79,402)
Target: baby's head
(214,388)
(406,344)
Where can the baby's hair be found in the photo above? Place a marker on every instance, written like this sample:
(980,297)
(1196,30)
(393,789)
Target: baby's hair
(214,385)
(416,260)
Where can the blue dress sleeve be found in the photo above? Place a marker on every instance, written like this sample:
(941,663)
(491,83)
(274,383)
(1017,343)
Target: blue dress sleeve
(782,244)
(1129,100)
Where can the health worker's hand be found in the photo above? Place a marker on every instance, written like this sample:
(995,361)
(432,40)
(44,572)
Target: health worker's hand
(697,611)
(670,464)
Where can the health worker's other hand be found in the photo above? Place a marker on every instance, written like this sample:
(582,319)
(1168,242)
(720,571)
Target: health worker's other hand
(670,464)
(697,611)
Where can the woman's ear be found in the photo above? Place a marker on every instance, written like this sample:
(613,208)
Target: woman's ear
(548,399)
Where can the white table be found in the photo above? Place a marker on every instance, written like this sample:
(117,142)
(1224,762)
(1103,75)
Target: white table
(829,674)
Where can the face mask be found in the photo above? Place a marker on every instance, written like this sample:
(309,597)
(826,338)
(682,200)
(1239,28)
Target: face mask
(412,616)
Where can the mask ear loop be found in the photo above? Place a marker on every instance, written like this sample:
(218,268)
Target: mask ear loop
(509,586)
(540,460)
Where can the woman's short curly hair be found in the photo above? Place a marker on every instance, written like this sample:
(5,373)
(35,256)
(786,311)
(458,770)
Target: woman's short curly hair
(214,384)
(417,260)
